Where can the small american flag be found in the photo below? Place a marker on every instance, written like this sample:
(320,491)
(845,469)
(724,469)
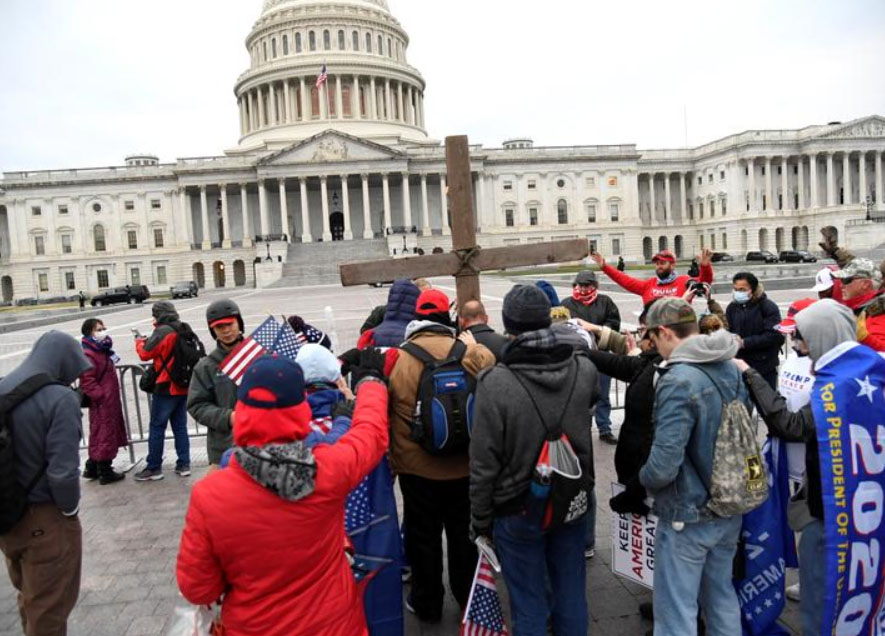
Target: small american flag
(270,337)
(483,616)
(309,335)
(323,77)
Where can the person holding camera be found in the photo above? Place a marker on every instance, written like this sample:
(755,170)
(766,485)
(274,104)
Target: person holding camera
(713,319)
(753,316)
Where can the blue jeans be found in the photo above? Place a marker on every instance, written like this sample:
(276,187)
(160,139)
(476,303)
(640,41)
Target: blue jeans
(546,574)
(172,409)
(604,405)
(812,577)
(590,543)
(692,566)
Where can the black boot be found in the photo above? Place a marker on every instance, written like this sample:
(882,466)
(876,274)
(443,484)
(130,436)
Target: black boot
(106,474)
(90,471)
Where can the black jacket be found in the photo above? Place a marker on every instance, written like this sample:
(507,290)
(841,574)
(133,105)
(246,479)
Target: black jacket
(492,340)
(790,427)
(755,322)
(637,432)
(603,312)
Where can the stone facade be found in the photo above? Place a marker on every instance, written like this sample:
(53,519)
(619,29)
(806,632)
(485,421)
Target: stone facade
(348,159)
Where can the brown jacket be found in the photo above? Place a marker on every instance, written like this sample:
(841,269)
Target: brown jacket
(406,456)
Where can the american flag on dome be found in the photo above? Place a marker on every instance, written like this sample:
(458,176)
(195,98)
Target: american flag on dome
(323,77)
(270,337)
(483,616)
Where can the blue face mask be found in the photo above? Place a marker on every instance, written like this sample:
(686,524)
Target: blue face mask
(742,297)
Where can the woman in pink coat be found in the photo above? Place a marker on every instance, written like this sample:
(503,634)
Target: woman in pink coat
(100,384)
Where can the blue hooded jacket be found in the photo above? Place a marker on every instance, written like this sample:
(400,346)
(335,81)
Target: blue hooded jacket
(547,288)
(401,303)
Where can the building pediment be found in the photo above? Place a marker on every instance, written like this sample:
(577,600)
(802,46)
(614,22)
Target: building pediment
(866,128)
(330,147)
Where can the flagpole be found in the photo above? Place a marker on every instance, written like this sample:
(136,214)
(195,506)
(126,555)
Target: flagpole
(472,589)
(326,89)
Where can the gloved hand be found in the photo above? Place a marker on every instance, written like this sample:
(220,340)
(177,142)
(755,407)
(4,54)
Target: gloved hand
(344,408)
(631,501)
(371,364)
(480,531)
(349,359)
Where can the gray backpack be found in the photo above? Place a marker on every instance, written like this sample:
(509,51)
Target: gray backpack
(739,482)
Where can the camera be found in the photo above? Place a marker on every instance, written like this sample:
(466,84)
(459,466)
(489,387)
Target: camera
(699,288)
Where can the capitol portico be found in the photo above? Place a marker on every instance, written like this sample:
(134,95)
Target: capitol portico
(342,169)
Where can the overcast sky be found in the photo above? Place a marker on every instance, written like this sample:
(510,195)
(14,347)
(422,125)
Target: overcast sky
(85,82)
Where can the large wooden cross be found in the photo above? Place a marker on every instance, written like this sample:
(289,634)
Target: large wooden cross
(466,260)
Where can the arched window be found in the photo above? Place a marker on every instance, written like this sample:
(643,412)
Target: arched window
(327,40)
(99,239)
(285,45)
(298,43)
(356,40)
(562,211)
(312,40)
(273,47)
(380,45)
(264,47)
(368,42)
(341,41)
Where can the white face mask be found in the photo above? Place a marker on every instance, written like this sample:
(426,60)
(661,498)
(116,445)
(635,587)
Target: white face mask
(742,297)
(100,335)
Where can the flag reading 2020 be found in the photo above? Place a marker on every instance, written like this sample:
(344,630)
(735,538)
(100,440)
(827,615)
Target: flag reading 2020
(849,412)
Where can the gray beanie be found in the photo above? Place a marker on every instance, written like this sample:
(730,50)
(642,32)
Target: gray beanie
(526,308)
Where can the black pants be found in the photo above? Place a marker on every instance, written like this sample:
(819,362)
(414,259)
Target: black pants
(429,507)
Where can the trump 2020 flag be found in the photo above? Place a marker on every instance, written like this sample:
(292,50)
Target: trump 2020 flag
(849,413)
(768,549)
(483,616)
(270,337)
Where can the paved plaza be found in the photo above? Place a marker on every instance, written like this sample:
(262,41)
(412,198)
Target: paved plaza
(131,530)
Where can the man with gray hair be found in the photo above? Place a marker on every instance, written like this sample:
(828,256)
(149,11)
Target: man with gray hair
(862,293)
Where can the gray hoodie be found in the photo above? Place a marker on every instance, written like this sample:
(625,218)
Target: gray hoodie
(824,325)
(46,426)
(719,346)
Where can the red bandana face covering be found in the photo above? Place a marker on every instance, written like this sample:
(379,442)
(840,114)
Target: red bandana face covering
(585,295)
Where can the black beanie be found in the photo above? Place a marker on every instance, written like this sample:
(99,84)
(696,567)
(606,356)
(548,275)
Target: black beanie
(526,308)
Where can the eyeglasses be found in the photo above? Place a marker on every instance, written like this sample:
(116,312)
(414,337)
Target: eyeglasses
(849,280)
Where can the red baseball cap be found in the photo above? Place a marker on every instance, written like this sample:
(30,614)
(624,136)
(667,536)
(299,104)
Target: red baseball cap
(227,320)
(788,324)
(666,256)
(432,301)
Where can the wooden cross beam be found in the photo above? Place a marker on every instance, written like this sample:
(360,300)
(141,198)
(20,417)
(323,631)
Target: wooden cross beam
(467,260)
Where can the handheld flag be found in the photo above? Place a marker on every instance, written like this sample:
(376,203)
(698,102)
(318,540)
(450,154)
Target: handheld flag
(270,337)
(483,616)
(323,77)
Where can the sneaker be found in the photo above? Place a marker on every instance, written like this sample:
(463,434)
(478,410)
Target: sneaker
(90,471)
(608,438)
(793,592)
(589,553)
(183,471)
(149,475)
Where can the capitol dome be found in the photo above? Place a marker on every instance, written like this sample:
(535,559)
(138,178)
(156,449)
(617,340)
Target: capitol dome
(371,92)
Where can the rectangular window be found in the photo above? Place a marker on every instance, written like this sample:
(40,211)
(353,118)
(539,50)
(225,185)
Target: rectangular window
(62,209)
(722,175)
(764,202)
(158,237)
(701,209)
(103,279)
(36,210)
(65,243)
(616,246)
(533,216)
(780,170)
(780,201)
(532,184)
(796,201)
(702,241)
(39,245)
(712,209)
(746,171)
(591,213)
(129,205)
(43,281)
(508,217)
(724,208)
(724,241)
(155,204)
(710,178)
(508,185)
(70,283)
(591,182)
(763,171)
(691,211)
(712,241)
(700,181)
(135,276)
(615,211)
(161,274)
(132,237)
(613,182)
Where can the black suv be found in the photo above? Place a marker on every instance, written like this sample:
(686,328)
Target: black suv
(797,256)
(722,257)
(184,290)
(764,256)
(128,294)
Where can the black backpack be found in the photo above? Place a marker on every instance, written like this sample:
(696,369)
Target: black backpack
(13,497)
(186,353)
(443,420)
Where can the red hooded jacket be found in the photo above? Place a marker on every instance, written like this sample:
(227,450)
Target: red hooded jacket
(281,565)
(651,290)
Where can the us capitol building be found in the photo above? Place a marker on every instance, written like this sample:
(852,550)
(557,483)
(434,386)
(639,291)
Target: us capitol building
(326,172)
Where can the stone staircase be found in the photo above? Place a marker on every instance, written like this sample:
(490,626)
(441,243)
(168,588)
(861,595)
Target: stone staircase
(317,263)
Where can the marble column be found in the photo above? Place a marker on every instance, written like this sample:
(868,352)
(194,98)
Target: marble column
(262,208)
(388,101)
(339,99)
(800,182)
(225,218)
(785,184)
(184,203)
(410,112)
(272,114)
(284,210)
(306,236)
(769,190)
(407,203)
(373,100)
(345,208)
(262,111)
(425,208)
(288,99)
(204,216)
(668,212)
(682,205)
(251,112)
(243,127)
(846,178)
(324,193)
(368,233)
(751,174)
(400,113)
(862,177)
(444,205)
(651,196)
(385,181)
(355,109)
(305,101)
(831,181)
(880,200)
(812,179)
(247,218)
(481,201)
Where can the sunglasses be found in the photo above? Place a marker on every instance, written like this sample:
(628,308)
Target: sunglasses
(849,280)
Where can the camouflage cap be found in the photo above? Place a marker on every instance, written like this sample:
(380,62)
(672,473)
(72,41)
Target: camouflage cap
(669,312)
(860,268)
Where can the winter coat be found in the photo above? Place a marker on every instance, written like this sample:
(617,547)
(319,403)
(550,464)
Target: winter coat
(637,432)
(870,311)
(46,428)
(688,412)
(400,312)
(280,563)
(160,346)
(211,399)
(507,436)
(107,426)
(407,457)
(755,323)
(651,289)
(602,312)
(491,339)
